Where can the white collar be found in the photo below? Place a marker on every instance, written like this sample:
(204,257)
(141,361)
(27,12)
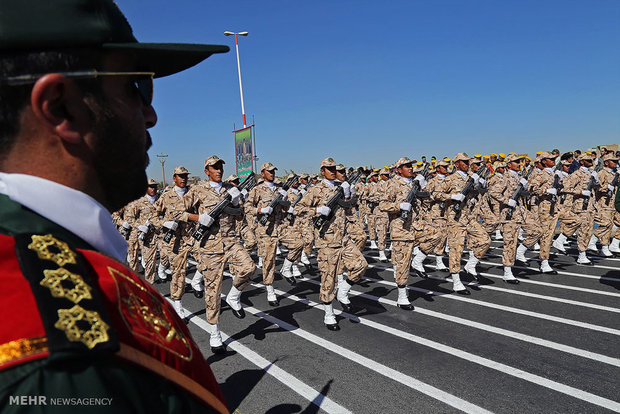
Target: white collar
(586,169)
(180,191)
(296,191)
(443,176)
(407,180)
(500,174)
(152,199)
(515,173)
(271,185)
(463,174)
(216,186)
(87,219)
(549,170)
(329,183)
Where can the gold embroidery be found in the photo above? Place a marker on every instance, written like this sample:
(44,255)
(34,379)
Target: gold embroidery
(53,281)
(22,348)
(68,319)
(42,244)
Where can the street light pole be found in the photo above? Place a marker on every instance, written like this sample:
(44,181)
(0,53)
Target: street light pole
(163,173)
(227,33)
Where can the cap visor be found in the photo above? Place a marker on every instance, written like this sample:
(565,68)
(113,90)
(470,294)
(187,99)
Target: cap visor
(167,58)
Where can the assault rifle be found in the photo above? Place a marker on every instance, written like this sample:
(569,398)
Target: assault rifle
(336,200)
(518,192)
(614,183)
(469,187)
(223,205)
(591,186)
(415,193)
(277,199)
(290,217)
(554,198)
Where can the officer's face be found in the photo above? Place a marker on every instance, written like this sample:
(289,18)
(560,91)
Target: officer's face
(180,180)
(215,172)
(406,170)
(120,140)
(513,165)
(586,163)
(441,169)
(548,162)
(611,164)
(500,170)
(329,173)
(151,190)
(341,175)
(462,165)
(475,166)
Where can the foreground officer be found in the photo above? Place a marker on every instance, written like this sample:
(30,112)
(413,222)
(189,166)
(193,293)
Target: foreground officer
(76,102)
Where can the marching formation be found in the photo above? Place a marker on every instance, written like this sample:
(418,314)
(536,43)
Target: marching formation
(409,211)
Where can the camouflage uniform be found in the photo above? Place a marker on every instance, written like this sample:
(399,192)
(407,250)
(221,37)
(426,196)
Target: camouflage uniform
(137,213)
(604,207)
(547,209)
(575,216)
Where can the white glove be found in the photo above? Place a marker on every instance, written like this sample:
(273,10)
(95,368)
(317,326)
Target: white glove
(476,177)
(420,178)
(282,193)
(552,191)
(512,203)
(559,174)
(266,210)
(302,187)
(126,225)
(472,201)
(352,190)
(290,210)
(234,194)
(346,188)
(482,182)
(523,181)
(405,206)
(143,229)
(457,197)
(244,192)
(595,175)
(172,225)
(586,193)
(611,187)
(323,210)
(302,191)
(205,219)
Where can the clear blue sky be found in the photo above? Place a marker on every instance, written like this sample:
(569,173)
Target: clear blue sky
(367,82)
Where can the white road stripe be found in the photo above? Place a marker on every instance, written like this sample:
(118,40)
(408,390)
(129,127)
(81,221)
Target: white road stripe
(301,388)
(503,368)
(566,321)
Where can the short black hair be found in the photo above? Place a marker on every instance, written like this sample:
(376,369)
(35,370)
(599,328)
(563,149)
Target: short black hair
(566,156)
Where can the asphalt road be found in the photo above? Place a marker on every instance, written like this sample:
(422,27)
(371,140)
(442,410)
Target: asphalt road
(550,344)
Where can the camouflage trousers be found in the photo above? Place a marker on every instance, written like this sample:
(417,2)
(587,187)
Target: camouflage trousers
(248,237)
(307,233)
(582,222)
(478,240)
(511,240)
(382,223)
(267,246)
(132,252)
(353,242)
(547,223)
(328,259)
(238,259)
(617,224)
(292,238)
(402,252)
(604,217)
(149,255)
(164,260)
(178,267)
(531,228)
(433,238)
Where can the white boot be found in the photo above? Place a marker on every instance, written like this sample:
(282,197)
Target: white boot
(470,266)
(418,264)
(260,263)
(447,248)
(278,251)
(403,299)
(583,259)
(390,248)
(330,318)
(271,296)
(142,262)
(592,244)
(545,268)
(382,256)
(605,250)
(304,258)
(614,247)
(161,272)
(558,243)
(215,339)
(373,244)
(234,301)
(509,277)
(536,247)
(521,249)
(176,304)
(498,235)
(457,286)
(285,270)
(197,281)
(439,263)
(296,271)
(520,235)
(416,250)
(343,293)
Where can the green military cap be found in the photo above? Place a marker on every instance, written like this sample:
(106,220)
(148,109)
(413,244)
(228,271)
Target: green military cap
(180,170)
(212,160)
(40,25)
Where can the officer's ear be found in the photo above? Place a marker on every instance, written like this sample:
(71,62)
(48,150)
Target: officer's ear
(59,106)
